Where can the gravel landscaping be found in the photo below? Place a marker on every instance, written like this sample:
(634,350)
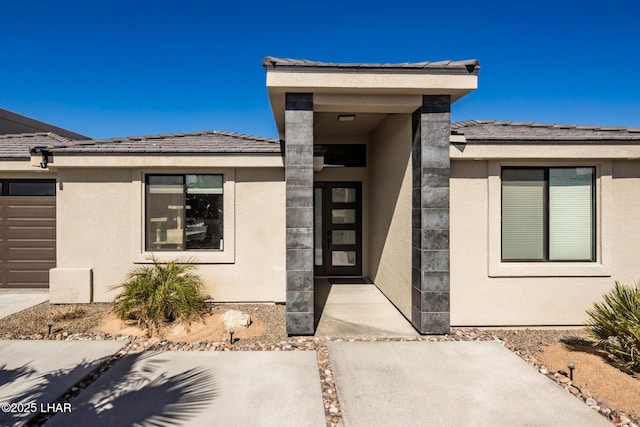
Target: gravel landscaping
(70,322)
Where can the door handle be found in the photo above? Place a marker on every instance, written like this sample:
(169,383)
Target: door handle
(328,237)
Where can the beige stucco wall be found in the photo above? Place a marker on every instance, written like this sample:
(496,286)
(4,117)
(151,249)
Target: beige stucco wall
(389,169)
(94,224)
(484,294)
(17,169)
(100,223)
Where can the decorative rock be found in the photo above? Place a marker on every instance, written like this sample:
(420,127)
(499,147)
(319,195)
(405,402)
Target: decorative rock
(235,319)
(544,371)
(564,380)
(591,402)
(624,419)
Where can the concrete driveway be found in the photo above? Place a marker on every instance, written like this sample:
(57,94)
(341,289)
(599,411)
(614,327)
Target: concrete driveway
(448,384)
(393,383)
(15,301)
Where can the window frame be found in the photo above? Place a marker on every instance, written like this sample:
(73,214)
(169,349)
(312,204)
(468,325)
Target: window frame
(185,193)
(214,256)
(6,182)
(602,266)
(547,212)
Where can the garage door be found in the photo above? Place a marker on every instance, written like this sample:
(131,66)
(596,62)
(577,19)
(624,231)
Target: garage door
(27,233)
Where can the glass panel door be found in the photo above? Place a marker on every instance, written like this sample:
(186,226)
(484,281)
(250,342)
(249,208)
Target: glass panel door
(338,230)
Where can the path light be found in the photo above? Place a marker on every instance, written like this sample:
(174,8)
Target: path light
(571,367)
(231,331)
(49,324)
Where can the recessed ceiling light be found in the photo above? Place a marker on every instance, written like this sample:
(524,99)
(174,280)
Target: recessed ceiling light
(346,117)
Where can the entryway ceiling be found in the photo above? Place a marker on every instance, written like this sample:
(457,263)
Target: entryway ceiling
(327,124)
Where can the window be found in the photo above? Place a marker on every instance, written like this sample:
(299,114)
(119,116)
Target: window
(342,155)
(548,214)
(31,187)
(184,212)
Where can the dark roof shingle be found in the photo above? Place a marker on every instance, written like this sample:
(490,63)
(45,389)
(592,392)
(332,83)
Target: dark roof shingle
(492,130)
(205,142)
(16,147)
(467,66)
(13,124)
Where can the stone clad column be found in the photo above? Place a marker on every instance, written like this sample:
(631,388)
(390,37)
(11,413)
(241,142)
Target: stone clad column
(430,311)
(299,210)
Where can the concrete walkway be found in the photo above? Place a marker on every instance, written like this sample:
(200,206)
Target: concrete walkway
(357,310)
(39,372)
(203,389)
(15,301)
(448,384)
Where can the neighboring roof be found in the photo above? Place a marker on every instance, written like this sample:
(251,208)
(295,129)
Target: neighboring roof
(467,66)
(492,130)
(205,142)
(12,123)
(16,147)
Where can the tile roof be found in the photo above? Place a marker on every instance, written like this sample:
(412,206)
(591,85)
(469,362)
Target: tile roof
(205,142)
(13,123)
(17,146)
(468,66)
(492,130)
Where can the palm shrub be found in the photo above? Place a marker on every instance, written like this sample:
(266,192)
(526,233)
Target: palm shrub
(615,324)
(157,293)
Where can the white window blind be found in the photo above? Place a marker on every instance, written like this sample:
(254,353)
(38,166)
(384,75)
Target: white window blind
(570,213)
(523,214)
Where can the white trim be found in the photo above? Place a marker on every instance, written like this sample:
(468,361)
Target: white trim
(603,265)
(225,256)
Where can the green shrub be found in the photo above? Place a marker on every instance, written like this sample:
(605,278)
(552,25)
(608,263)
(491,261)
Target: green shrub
(157,293)
(615,324)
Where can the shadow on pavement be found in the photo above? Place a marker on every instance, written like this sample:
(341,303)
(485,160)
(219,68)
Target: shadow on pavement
(35,387)
(136,393)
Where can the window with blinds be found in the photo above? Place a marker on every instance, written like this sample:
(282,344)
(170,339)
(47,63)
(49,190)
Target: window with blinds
(548,214)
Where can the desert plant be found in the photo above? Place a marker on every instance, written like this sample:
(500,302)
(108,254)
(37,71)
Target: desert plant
(67,313)
(615,325)
(157,293)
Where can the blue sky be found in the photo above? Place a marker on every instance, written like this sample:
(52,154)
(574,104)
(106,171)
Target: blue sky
(116,68)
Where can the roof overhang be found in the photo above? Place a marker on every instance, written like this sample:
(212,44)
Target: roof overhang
(366,88)
(460,149)
(159,160)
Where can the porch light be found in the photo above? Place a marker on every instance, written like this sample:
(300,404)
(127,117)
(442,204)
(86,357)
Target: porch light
(346,117)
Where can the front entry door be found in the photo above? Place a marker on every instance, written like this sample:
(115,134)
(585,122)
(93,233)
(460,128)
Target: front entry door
(338,228)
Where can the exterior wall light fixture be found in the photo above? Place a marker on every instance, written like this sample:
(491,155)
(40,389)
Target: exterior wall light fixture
(346,117)
(46,155)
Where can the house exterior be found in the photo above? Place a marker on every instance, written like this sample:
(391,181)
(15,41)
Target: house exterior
(477,223)
(27,202)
